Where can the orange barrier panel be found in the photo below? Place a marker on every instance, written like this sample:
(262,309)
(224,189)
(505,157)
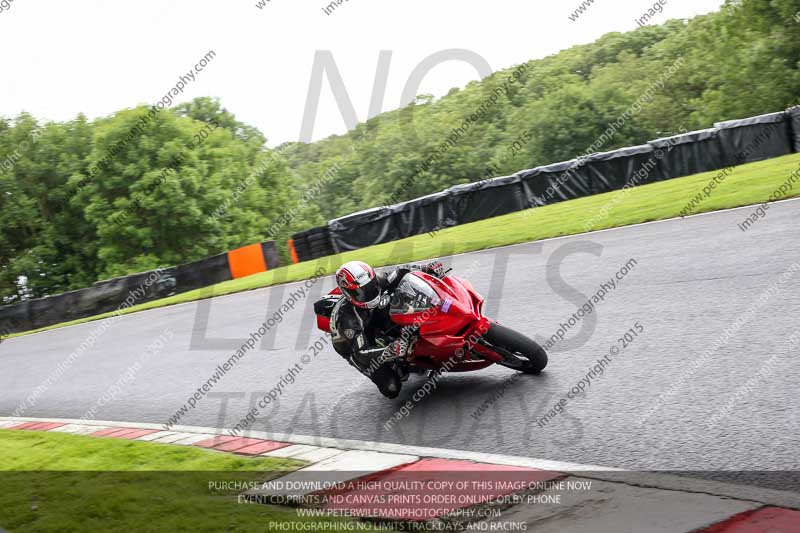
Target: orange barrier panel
(292,251)
(247,261)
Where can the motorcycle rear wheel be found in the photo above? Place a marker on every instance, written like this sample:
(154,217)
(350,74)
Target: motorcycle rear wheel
(518,351)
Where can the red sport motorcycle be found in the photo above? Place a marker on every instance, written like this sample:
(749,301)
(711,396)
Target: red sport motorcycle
(454,336)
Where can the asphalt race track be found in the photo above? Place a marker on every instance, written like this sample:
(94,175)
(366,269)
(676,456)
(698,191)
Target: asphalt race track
(650,409)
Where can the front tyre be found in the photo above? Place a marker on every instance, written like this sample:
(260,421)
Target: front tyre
(518,351)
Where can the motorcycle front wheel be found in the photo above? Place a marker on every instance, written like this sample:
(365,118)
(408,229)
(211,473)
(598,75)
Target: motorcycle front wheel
(518,351)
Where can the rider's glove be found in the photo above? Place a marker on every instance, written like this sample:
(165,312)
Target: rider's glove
(401,347)
(398,349)
(434,268)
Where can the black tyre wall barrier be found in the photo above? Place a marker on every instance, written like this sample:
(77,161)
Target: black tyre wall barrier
(610,171)
(554,183)
(313,243)
(754,139)
(319,242)
(272,257)
(793,117)
(201,273)
(423,215)
(118,293)
(471,202)
(362,229)
(689,153)
(727,144)
(13,318)
(301,246)
(102,297)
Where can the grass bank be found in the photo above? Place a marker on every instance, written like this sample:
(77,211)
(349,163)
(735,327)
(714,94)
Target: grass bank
(748,184)
(61,482)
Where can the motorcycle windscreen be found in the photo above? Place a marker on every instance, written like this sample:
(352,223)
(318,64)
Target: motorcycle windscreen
(412,296)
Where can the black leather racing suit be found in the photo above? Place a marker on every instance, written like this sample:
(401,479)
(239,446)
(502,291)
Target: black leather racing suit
(369,340)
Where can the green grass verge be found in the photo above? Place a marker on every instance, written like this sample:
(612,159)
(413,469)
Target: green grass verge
(61,482)
(748,184)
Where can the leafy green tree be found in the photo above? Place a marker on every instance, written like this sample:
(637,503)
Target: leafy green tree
(42,238)
(174,196)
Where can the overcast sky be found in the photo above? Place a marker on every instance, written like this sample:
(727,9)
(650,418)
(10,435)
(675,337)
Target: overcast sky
(62,58)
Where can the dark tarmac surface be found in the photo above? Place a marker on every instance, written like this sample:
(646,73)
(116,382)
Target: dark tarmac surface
(668,400)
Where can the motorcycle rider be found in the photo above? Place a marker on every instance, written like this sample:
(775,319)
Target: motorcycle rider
(360,322)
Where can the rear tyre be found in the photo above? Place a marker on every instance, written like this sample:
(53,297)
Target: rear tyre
(518,351)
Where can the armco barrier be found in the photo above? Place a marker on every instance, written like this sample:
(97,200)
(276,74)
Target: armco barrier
(729,143)
(110,295)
